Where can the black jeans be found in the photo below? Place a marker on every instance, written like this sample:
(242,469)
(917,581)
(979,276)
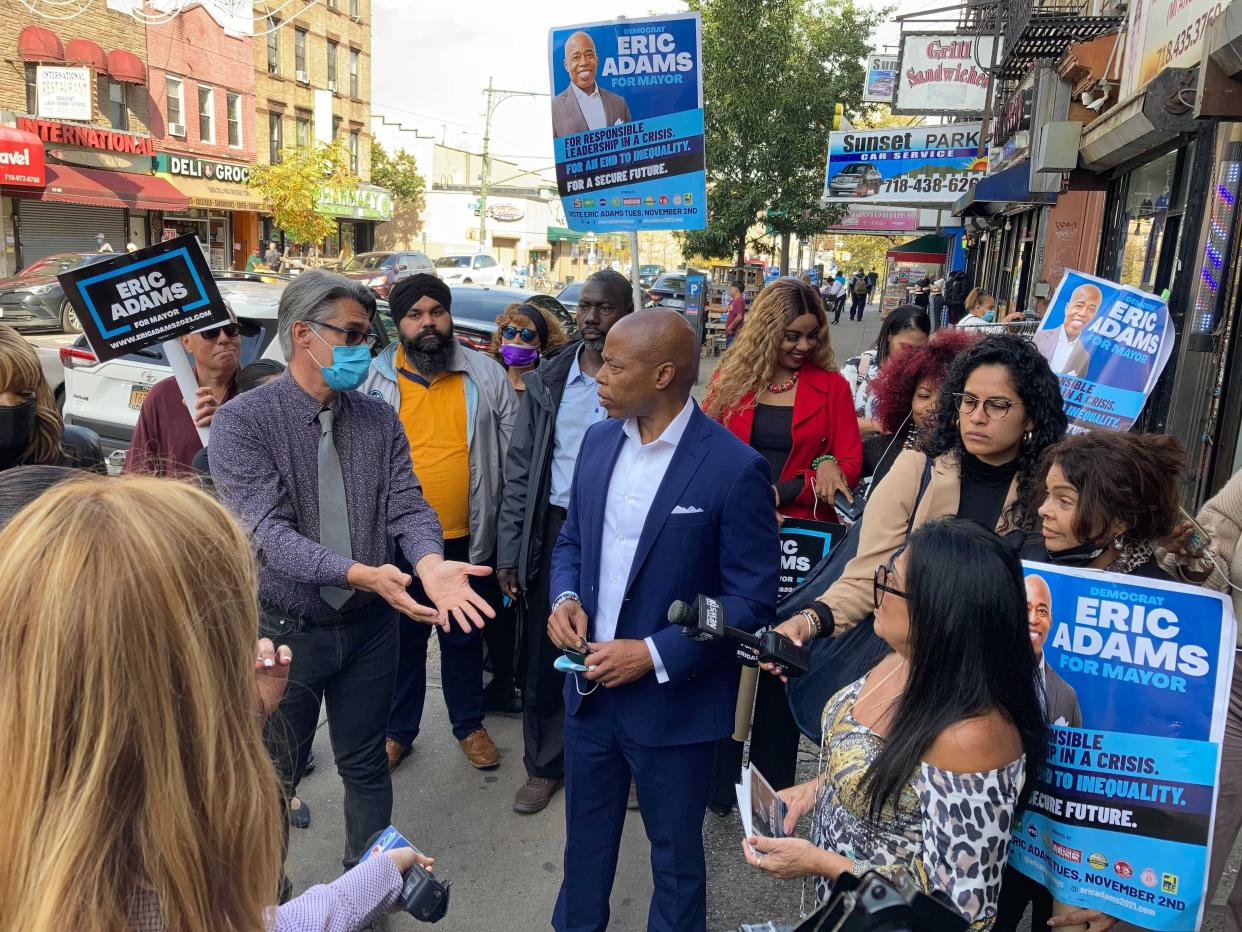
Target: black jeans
(543,707)
(351,667)
(461,663)
(857,306)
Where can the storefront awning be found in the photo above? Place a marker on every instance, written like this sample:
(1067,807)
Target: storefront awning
(126,67)
(1148,118)
(929,248)
(217,195)
(100,188)
(86,52)
(563,235)
(38,44)
(998,193)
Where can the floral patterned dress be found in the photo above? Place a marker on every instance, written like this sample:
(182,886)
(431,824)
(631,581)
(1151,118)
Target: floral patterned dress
(949,831)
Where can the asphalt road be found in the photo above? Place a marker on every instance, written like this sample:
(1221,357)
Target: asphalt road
(505,867)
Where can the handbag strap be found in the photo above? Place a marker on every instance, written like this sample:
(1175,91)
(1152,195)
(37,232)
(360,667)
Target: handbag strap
(924,481)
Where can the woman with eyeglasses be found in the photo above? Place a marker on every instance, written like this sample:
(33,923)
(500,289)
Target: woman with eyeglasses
(928,756)
(32,432)
(999,408)
(524,333)
(166,437)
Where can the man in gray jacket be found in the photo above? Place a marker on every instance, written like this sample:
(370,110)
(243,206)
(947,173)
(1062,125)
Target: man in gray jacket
(559,404)
(457,408)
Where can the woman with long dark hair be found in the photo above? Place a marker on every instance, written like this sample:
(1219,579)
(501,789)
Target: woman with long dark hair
(999,408)
(903,329)
(927,757)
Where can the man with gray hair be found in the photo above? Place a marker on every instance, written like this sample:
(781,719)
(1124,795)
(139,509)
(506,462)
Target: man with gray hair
(320,475)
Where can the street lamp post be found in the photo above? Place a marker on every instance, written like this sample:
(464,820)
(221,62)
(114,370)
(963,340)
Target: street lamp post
(495,96)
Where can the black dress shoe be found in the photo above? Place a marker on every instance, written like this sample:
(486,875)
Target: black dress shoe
(499,699)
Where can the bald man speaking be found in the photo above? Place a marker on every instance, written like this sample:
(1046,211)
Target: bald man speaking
(666,504)
(584,105)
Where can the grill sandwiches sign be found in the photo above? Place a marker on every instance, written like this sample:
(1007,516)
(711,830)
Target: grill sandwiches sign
(943,73)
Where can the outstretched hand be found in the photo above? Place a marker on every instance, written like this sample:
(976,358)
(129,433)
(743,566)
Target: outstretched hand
(447,584)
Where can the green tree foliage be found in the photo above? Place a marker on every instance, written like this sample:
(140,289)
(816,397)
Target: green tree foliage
(291,189)
(399,174)
(773,72)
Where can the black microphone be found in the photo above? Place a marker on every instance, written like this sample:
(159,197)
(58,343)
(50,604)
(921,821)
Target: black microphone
(705,621)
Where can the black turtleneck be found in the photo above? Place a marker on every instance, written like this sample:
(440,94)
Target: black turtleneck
(984,489)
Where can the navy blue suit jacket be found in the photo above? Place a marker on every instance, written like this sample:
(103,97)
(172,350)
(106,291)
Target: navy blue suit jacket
(728,548)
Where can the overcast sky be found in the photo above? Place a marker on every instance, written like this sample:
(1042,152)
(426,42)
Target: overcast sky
(432,62)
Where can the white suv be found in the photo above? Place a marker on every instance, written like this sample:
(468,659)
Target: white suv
(470,270)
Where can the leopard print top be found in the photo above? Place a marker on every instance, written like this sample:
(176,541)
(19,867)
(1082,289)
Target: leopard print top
(950,831)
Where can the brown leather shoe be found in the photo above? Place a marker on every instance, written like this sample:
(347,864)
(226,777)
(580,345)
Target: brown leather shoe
(397,752)
(481,750)
(535,794)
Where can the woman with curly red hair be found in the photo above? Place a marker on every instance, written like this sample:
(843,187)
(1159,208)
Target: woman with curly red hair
(905,392)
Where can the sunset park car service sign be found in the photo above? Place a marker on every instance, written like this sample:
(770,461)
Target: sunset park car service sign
(924,165)
(145,297)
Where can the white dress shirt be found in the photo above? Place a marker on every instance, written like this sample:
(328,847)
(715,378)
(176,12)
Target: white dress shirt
(1060,356)
(592,107)
(635,480)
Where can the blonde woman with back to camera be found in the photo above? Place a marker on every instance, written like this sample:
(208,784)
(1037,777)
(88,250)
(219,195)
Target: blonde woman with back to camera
(136,794)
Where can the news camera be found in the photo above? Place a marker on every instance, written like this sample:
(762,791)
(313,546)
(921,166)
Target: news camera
(876,903)
(705,621)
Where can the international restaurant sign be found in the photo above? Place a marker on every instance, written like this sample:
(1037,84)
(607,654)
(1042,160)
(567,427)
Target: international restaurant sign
(943,73)
(365,202)
(188,166)
(89,137)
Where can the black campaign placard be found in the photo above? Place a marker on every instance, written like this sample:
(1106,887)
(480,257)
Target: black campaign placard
(803,544)
(145,297)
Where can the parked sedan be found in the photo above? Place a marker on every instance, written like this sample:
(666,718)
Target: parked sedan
(669,291)
(33,299)
(379,271)
(647,274)
(857,179)
(470,270)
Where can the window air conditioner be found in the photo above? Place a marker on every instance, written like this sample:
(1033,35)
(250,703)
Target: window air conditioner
(176,129)
(303,77)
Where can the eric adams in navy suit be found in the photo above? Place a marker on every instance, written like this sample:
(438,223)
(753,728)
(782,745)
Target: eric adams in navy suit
(666,504)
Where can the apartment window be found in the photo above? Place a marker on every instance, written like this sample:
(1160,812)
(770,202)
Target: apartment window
(32,88)
(273,45)
(206,114)
(276,138)
(334,4)
(332,47)
(174,93)
(299,52)
(354,55)
(353,151)
(235,119)
(302,130)
(118,109)
(353,8)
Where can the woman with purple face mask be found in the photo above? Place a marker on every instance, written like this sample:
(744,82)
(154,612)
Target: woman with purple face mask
(523,334)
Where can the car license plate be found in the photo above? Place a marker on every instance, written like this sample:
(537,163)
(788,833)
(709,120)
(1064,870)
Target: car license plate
(136,395)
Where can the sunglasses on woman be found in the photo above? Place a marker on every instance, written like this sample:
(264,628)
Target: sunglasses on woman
(527,334)
(879,585)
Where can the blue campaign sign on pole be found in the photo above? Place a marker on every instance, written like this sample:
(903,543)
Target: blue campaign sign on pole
(627,124)
(1136,677)
(1108,344)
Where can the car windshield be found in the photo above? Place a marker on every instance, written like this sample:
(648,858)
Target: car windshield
(370,260)
(54,265)
(453,262)
(675,283)
(856,169)
(570,294)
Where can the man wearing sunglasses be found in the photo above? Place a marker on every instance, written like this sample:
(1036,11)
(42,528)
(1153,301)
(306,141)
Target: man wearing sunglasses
(457,408)
(166,438)
(560,402)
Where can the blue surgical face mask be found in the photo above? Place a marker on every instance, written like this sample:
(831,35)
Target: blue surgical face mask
(989,315)
(349,368)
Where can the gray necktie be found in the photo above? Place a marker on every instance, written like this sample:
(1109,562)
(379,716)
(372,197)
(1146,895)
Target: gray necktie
(333,516)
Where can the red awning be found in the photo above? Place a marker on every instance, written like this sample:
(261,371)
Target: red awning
(22,164)
(86,52)
(38,44)
(126,67)
(110,189)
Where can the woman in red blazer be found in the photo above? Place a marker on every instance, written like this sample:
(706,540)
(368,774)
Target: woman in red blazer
(778,390)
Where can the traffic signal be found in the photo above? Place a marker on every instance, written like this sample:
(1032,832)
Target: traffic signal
(838,114)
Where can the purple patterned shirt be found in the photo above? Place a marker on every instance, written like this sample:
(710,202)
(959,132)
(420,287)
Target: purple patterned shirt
(264,457)
(352,901)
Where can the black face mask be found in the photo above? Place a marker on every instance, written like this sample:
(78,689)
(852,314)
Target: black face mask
(16,426)
(1077,557)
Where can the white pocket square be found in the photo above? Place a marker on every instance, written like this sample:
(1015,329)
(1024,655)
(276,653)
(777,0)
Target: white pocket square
(687,510)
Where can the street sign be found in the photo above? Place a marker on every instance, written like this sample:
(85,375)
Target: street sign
(696,297)
(146,297)
(627,124)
